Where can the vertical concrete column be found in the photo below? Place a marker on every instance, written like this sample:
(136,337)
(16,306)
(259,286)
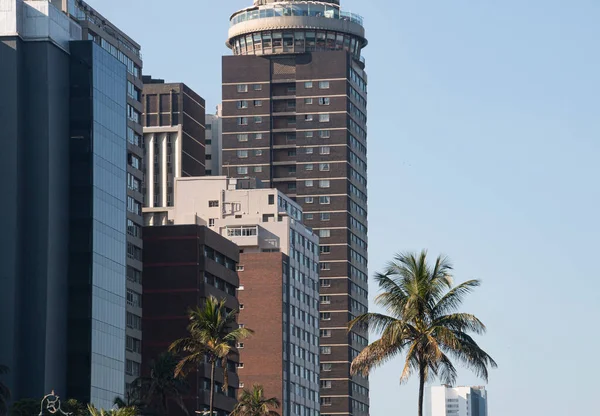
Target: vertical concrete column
(150,165)
(163,169)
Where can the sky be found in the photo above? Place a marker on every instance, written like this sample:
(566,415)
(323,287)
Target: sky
(483,145)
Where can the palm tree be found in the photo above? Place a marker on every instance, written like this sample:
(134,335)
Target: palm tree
(4,393)
(123,411)
(254,403)
(162,385)
(422,321)
(213,334)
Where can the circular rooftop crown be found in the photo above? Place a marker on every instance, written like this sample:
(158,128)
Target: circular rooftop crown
(295,26)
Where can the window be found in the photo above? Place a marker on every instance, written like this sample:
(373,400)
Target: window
(325,249)
(211,222)
(242,104)
(242,170)
(308,167)
(325,384)
(308,216)
(325,150)
(308,134)
(271,199)
(326,366)
(291,186)
(325,283)
(134,298)
(308,117)
(257,103)
(323,85)
(133,344)
(309,150)
(240,345)
(258,136)
(258,119)
(134,161)
(258,152)
(325,266)
(242,88)
(243,121)
(292,152)
(308,84)
(241,325)
(133,206)
(324,200)
(213,203)
(242,153)
(132,368)
(324,101)
(325,300)
(324,167)
(134,321)
(324,134)
(308,183)
(309,200)
(257,87)
(324,118)
(258,169)
(324,233)
(241,306)
(326,350)
(325,216)
(133,183)
(239,268)
(308,101)
(324,184)
(242,137)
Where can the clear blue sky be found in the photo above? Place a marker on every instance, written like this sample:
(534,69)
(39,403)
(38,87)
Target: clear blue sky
(483,144)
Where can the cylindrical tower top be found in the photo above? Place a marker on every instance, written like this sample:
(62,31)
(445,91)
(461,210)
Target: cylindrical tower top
(295,26)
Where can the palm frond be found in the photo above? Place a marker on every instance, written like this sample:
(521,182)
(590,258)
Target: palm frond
(453,299)
(460,322)
(373,321)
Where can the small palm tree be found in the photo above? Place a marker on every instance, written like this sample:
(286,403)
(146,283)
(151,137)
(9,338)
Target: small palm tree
(4,393)
(213,334)
(162,385)
(123,411)
(422,321)
(254,403)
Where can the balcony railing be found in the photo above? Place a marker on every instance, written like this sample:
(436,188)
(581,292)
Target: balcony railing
(297,9)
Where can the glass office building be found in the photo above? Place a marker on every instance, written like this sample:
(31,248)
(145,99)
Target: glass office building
(98,247)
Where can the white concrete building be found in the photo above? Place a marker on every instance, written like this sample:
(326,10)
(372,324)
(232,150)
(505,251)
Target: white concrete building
(214,142)
(456,401)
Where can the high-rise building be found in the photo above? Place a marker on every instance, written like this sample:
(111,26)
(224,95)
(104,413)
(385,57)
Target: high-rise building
(65,115)
(34,162)
(279,275)
(98,233)
(294,116)
(183,265)
(214,142)
(174,138)
(109,37)
(456,401)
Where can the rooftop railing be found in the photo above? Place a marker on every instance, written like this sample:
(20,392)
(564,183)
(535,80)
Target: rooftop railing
(296,9)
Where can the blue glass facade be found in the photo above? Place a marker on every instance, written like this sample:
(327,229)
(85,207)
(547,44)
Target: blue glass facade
(97,279)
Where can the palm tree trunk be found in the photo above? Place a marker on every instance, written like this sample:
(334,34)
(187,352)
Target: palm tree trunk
(212,386)
(421,387)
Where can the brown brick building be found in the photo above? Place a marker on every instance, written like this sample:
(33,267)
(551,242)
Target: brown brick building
(183,265)
(294,115)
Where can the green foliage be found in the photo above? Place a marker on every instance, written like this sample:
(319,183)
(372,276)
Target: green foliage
(124,411)
(162,386)
(422,322)
(254,403)
(75,407)
(25,407)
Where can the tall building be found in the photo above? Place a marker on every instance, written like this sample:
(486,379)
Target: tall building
(294,116)
(65,112)
(98,233)
(174,138)
(456,401)
(101,31)
(278,293)
(214,142)
(183,265)
(34,162)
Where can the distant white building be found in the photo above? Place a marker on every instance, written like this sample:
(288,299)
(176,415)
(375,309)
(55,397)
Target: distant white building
(214,143)
(456,401)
